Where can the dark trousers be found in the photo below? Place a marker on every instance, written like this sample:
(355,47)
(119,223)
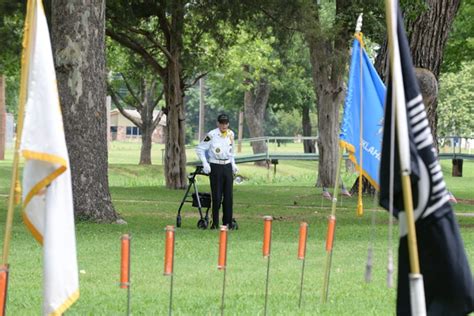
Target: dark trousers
(221,187)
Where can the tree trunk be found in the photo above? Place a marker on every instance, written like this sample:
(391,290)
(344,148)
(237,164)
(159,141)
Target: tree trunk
(427,35)
(175,157)
(78,35)
(145,152)
(255,104)
(202,100)
(175,154)
(328,58)
(241,131)
(328,86)
(328,122)
(306,121)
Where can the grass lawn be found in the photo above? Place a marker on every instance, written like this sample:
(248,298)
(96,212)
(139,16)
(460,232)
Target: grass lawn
(142,200)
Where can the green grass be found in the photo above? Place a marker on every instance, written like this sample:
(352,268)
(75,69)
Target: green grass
(290,196)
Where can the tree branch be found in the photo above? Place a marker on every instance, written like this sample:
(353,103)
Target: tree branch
(160,114)
(162,20)
(186,86)
(149,37)
(130,90)
(116,101)
(130,43)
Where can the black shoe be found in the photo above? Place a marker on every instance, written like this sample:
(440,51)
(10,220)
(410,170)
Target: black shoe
(214,226)
(234,225)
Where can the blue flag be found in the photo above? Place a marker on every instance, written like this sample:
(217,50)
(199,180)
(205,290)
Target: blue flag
(366,90)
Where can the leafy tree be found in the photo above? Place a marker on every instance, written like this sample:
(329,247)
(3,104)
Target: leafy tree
(11,31)
(172,37)
(460,44)
(327,27)
(455,108)
(427,25)
(295,91)
(143,92)
(217,101)
(78,37)
(247,77)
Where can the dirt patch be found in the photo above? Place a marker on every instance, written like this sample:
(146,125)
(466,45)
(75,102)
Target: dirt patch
(466,201)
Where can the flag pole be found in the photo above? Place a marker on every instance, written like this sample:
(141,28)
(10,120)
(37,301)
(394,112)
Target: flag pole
(416,279)
(15,190)
(331,228)
(358,36)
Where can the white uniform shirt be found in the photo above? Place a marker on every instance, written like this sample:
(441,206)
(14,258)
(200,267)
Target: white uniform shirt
(217,147)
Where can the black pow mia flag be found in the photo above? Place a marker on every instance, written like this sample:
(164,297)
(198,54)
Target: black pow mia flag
(448,282)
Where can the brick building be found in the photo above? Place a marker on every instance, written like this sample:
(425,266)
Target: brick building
(123,129)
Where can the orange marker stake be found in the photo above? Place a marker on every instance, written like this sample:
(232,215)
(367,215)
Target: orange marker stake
(267,235)
(222,261)
(330,235)
(125,262)
(302,242)
(169,260)
(3,289)
(302,254)
(267,245)
(329,245)
(125,268)
(169,250)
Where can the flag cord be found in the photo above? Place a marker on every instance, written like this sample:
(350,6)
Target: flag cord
(25,57)
(390,203)
(369,264)
(390,200)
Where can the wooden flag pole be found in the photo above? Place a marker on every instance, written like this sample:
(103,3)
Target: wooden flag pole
(267,245)
(15,190)
(169,260)
(222,261)
(302,254)
(125,269)
(331,230)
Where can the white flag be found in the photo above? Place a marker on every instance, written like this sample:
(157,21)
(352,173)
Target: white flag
(47,192)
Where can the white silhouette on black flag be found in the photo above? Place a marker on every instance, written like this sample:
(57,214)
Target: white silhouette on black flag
(449,288)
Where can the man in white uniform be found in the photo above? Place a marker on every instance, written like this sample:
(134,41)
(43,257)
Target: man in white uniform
(217,155)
